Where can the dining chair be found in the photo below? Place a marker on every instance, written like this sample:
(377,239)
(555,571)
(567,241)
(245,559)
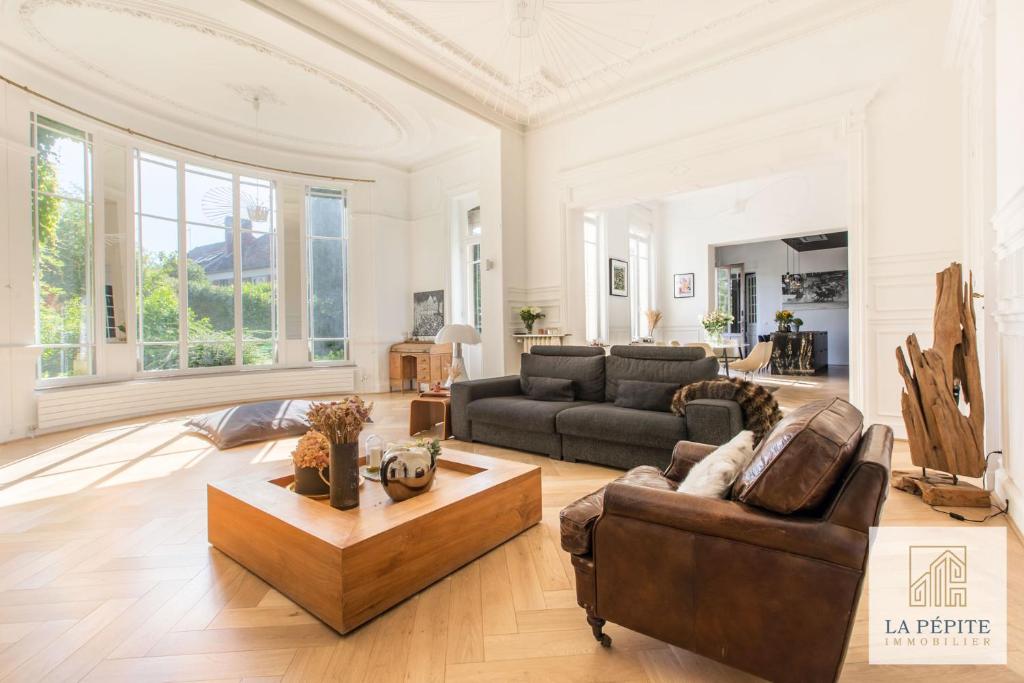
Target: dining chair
(756,360)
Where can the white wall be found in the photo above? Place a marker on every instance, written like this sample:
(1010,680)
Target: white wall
(753,116)
(768,260)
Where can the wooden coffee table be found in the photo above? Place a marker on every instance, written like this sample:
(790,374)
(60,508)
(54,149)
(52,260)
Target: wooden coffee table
(346,567)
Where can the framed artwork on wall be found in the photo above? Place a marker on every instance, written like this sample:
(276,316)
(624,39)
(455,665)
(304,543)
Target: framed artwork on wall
(617,277)
(427,313)
(682,285)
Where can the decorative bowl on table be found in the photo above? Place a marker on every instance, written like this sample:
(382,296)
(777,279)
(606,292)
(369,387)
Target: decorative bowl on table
(407,471)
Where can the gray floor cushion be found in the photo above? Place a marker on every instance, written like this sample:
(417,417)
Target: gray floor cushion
(607,422)
(251,422)
(520,412)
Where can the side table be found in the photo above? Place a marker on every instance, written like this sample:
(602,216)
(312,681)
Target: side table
(427,411)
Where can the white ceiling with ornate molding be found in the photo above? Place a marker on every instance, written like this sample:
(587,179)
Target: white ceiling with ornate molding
(534,60)
(232,70)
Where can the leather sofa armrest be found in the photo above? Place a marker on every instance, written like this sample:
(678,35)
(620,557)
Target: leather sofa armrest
(685,455)
(464,393)
(713,421)
(807,537)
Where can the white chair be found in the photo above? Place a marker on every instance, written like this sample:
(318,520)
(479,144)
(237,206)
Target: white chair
(758,359)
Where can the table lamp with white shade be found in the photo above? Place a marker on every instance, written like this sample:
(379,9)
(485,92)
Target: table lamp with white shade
(457,335)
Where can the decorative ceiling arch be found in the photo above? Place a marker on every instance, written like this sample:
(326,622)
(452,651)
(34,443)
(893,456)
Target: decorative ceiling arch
(383,129)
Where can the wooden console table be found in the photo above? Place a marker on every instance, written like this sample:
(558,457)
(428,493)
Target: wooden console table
(418,363)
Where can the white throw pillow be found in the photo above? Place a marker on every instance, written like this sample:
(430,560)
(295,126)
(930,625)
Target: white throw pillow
(713,476)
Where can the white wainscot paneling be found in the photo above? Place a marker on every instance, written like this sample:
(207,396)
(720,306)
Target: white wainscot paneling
(66,407)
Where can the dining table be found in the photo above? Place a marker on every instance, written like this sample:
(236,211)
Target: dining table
(722,350)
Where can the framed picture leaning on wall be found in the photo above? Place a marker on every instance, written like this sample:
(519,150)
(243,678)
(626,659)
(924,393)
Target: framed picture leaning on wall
(682,285)
(617,277)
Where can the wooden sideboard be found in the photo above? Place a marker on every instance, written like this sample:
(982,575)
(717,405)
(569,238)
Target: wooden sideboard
(418,363)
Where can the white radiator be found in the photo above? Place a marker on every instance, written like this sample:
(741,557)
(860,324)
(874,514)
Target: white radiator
(65,407)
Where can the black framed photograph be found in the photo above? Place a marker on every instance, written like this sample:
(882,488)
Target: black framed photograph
(618,277)
(427,313)
(682,285)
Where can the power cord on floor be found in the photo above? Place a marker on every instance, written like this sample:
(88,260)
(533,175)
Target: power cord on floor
(960,518)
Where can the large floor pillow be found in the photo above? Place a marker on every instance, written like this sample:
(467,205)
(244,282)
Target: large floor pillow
(251,422)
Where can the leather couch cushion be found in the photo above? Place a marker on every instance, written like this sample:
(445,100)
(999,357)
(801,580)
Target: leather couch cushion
(577,519)
(607,422)
(550,389)
(800,462)
(520,412)
(587,373)
(646,395)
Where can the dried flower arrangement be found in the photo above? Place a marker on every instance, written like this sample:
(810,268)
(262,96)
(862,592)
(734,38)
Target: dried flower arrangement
(653,318)
(340,421)
(312,450)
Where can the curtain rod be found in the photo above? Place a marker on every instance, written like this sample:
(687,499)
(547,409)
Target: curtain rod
(190,150)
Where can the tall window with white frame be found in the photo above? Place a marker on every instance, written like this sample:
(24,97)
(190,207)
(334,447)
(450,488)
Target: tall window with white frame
(640,285)
(208,309)
(593,291)
(474,288)
(62,208)
(327,274)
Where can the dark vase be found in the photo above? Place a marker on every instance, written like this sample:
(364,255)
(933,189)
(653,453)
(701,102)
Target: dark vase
(310,481)
(344,475)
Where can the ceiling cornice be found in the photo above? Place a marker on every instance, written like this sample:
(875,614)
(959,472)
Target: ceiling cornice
(330,31)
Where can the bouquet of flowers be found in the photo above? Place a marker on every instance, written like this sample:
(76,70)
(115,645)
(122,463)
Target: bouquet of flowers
(715,322)
(313,450)
(529,315)
(784,318)
(340,421)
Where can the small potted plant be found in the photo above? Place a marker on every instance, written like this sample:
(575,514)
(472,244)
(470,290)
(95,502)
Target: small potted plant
(312,457)
(714,323)
(797,324)
(784,318)
(529,315)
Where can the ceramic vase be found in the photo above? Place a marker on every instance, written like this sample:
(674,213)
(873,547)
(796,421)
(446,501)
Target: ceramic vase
(312,481)
(344,475)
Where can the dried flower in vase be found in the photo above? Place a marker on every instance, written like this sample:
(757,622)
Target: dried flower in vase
(653,318)
(312,450)
(340,421)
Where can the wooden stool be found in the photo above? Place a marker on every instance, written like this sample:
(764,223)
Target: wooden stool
(427,411)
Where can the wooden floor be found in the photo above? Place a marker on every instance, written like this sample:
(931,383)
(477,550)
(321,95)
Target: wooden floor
(105,575)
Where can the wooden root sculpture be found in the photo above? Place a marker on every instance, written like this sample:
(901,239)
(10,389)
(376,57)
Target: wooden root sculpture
(941,436)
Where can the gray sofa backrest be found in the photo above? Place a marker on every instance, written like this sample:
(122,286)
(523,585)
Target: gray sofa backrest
(674,364)
(584,365)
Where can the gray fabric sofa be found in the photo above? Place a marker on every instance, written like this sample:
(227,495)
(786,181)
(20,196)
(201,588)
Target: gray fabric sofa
(590,427)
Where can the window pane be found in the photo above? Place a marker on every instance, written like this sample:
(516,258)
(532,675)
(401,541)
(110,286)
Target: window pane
(160,357)
(326,214)
(258,291)
(335,349)
(62,161)
(327,288)
(158,186)
(211,355)
(258,353)
(158,266)
(209,197)
(71,361)
(211,287)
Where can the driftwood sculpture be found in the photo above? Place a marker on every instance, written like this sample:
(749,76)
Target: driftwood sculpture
(942,437)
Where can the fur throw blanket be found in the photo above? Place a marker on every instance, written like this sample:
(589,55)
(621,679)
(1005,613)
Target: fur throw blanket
(760,409)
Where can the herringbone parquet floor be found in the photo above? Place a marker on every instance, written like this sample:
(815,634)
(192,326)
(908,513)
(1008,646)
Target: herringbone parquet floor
(105,575)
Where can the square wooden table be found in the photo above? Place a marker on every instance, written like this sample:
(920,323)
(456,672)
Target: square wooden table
(346,567)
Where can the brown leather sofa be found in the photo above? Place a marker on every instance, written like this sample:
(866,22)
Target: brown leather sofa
(767,581)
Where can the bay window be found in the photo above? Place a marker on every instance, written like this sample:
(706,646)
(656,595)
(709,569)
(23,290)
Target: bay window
(207,266)
(327,233)
(62,218)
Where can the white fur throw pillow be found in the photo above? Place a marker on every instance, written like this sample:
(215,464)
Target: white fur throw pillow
(713,476)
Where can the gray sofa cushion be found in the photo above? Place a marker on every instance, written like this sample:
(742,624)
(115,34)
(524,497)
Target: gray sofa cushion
(669,364)
(646,395)
(251,422)
(567,350)
(607,422)
(550,389)
(520,412)
(587,372)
